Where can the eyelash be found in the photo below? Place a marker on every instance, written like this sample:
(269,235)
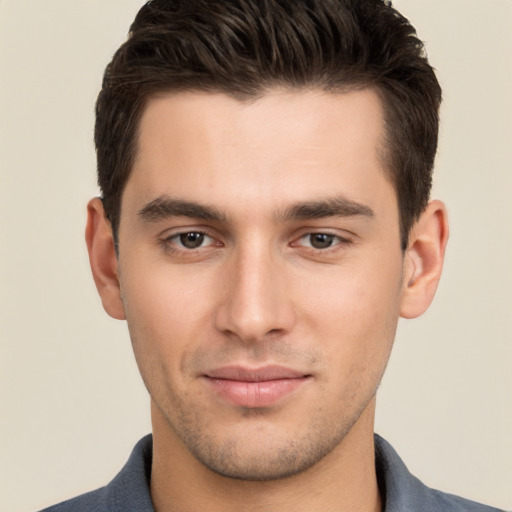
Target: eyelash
(174,242)
(336,240)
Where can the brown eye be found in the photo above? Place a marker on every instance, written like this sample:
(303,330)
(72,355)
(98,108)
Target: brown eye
(321,240)
(192,240)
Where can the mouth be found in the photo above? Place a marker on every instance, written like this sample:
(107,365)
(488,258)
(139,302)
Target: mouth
(255,388)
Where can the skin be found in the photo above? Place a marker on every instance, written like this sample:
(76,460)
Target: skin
(297,264)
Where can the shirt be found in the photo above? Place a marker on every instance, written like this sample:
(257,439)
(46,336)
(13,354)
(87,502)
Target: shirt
(401,491)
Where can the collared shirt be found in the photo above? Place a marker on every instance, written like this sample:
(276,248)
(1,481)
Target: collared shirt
(401,491)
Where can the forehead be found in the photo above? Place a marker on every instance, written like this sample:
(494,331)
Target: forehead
(285,145)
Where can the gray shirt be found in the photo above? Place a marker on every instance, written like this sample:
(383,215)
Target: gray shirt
(401,491)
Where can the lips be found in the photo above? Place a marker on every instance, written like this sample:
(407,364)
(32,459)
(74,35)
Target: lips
(260,387)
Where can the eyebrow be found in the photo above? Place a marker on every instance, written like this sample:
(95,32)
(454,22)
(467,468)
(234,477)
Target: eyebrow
(330,207)
(164,207)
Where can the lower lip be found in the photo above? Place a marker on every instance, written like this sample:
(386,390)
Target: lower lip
(255,394)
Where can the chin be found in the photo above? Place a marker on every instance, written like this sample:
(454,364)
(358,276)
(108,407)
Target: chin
(266,453)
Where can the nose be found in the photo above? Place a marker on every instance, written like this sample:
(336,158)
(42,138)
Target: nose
(256,303)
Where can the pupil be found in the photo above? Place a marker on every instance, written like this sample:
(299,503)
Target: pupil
(192,240)
(321,240)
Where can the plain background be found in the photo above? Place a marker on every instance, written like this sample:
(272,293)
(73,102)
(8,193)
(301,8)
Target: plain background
(72,403)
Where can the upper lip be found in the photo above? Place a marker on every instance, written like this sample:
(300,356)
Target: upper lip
(244,374)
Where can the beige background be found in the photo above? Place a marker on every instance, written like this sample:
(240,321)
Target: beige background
(72,404)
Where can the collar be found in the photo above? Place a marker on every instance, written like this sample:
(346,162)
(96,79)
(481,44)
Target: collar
(401,491)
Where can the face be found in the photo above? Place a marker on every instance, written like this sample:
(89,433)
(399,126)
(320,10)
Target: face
(261,273)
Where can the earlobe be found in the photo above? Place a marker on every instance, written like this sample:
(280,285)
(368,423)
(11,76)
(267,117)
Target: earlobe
(424,260)
(103,260)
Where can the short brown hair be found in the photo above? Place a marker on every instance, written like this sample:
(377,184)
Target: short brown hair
(244,47)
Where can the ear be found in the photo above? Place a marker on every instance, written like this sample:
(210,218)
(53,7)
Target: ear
(103,260)
(424,259)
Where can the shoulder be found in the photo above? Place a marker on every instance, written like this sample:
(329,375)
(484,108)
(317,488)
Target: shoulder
(450,503)
(129,490)
(94,501)
(404,492)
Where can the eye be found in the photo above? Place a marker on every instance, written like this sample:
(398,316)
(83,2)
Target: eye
(191,239)
(320,240)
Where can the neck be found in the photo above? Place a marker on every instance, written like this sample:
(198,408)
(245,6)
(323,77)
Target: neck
(345,479)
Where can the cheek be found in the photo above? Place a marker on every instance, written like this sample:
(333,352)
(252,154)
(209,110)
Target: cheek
(165,297)
(355,314)
(165,311)
(356,336)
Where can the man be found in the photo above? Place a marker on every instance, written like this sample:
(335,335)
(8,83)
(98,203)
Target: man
(265,169)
